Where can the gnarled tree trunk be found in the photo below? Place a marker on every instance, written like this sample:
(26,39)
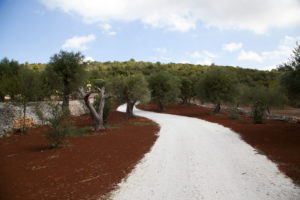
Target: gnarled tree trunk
(97,115)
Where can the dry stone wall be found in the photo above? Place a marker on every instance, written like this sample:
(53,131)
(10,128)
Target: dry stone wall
(11,116)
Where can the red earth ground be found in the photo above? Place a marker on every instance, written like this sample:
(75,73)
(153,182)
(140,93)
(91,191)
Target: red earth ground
(87,167)
(278,140)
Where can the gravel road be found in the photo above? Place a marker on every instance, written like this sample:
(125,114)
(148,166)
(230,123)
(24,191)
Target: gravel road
(195,159)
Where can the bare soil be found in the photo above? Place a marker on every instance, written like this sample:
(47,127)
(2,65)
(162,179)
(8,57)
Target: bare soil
(278,140)
(87,167)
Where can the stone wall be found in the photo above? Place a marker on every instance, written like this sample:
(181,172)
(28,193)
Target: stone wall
(11,116)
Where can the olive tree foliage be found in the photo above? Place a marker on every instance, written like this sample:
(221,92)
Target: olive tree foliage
(66,72)
(21,84)
(261,99)
(187,88)
(165,88)
(291,79)
(97,109)
(131,89)
(8,76)
(217,86)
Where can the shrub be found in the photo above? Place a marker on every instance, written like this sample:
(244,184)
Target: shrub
(58,127)
(233,113)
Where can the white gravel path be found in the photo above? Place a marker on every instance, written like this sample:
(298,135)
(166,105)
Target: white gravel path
(195,159)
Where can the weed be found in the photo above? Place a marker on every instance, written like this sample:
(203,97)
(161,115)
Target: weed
(258,151)
(80,132)
(143,123)
(112,126)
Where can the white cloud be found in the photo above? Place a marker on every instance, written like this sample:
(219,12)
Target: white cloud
(161,50)
(210,55)
(105,26)
(107,29)
(196,54)
(204,62)
(255,15)
(88,59)
(232,46)
(249,56)
(279,55)
(204,54)
(283,50)
(203,58)
(78,43)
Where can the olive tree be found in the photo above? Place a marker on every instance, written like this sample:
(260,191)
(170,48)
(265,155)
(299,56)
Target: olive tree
(187,88)
(66,72)
(131,89)
(24,85)
(164,88)
(291,79)
(217,86)
(261,99)
(96,110)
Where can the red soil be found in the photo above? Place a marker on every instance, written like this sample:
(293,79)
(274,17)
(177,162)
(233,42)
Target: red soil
(87,168)
(278,140)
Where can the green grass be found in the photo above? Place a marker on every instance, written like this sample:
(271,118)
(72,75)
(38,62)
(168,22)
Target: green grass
(80,132)
(112,126)
(143,123)
(258,151)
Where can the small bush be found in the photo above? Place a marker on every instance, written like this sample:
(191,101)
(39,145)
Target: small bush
(234,113)
(107,107)
(58,127)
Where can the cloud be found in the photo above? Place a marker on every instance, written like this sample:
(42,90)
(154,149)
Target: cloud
(279,55)
(255,15)
(232,46)
(249,56)
(283,50)
(204,62)
(78,43)
(88,59)
(203,58)
(204,54)
(161,50)
(107,29)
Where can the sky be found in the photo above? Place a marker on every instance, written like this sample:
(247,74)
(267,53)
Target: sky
(246,33)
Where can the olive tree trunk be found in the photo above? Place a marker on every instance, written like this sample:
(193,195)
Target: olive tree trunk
(160,106)
(24,116)
(217,108)
(97,114)
(129,109)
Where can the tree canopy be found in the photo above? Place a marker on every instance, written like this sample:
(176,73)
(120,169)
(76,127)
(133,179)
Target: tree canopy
(66,72)
(164,88)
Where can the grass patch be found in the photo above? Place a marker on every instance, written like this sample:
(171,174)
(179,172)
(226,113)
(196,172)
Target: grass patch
(258,151)
(80,132)
(112,126)
(143,123)
(94,134)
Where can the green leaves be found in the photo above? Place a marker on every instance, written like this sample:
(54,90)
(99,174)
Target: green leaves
(164,87)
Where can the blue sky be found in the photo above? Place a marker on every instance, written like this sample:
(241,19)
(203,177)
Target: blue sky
(251,34)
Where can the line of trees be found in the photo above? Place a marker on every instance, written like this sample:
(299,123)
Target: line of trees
(66,75)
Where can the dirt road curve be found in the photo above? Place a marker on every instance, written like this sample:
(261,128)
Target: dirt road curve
(194,159)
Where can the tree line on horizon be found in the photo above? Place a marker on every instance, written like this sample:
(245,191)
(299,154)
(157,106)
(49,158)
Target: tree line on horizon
(67,76)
